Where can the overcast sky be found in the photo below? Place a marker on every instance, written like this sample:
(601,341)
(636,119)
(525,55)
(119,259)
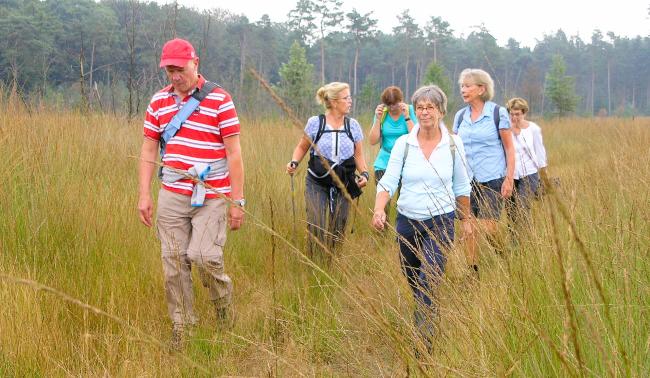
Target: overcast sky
(525,21)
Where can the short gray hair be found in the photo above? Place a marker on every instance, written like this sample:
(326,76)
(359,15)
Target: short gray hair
(433,94)
(480,78)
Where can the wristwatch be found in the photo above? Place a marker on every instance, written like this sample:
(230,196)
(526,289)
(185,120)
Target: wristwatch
(239,202)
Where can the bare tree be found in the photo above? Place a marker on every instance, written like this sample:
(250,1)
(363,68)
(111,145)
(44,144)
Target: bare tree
(361,29)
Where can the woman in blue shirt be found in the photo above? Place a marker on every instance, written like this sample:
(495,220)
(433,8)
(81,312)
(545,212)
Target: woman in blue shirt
(393,118)
(484,128)
(435,190)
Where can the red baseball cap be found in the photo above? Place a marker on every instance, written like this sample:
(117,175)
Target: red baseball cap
(177,52)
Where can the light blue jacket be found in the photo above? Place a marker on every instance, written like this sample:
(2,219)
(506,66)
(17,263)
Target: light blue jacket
(429,187)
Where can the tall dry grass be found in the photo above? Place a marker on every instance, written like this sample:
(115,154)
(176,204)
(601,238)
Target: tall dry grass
(82,292)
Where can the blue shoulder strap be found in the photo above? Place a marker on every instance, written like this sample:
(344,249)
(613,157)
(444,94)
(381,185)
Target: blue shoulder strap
(460,119)
(184,113)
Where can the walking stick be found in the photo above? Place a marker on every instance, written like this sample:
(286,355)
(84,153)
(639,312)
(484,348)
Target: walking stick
(354,216)
(293,203)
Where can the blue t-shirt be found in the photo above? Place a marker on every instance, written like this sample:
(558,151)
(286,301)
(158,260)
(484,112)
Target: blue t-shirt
(335,147)
(486,158)
(391,130)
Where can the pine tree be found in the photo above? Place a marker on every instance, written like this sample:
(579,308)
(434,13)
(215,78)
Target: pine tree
(296,80)
(560,89)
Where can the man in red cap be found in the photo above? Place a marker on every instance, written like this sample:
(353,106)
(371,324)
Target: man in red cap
(202,184)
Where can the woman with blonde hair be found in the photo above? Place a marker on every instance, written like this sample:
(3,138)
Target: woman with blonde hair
(484,128)
(333,141)
(530,159)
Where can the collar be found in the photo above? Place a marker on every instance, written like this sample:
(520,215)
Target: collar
(488,110)
(412,137)
(199,85)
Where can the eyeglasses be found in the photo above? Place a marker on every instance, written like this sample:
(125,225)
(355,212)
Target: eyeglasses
(346,98)
(429,109)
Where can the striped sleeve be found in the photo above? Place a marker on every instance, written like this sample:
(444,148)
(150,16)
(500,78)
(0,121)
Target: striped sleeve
(152,127)
(227,118)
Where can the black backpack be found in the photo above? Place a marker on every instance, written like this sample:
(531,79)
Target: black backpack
(344,170)
(321,130)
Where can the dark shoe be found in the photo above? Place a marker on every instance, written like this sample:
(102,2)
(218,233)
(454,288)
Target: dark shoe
(178,339)
(474,272)
(225,317)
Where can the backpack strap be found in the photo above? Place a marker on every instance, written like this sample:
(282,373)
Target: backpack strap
(321,128)
(452,149)
(460,118)
(406,154)
(497,120)
(348,128)
(184,113)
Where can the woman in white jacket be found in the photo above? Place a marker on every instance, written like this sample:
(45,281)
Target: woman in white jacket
(530,160)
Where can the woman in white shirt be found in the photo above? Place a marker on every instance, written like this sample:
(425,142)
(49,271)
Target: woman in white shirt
(429,163)
(530,159)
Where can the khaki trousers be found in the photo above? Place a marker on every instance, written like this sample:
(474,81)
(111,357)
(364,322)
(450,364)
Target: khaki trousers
(192,235)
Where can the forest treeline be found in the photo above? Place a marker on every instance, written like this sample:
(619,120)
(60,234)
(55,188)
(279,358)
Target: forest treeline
(104,56)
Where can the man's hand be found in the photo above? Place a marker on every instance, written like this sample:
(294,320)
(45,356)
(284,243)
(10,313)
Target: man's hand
(145,208)
(235,217)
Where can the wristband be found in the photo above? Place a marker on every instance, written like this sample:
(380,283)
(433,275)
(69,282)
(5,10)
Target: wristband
(294,164)
(366,175)
(407,119)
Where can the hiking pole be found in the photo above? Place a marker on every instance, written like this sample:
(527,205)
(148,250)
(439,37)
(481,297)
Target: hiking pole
(354,216)
(354,213)
(293,200)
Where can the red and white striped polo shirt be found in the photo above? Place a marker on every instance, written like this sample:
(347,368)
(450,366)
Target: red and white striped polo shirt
(199,140)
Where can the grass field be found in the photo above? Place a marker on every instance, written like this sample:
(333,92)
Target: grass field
(81,280)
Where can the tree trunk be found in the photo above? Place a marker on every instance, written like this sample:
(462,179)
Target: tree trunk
(82,82)
(111,83)
(174,18)
(131,44)
(322,59)
(543,95)
(593,84)
(206,33)
(242,63)
(90,76)
(406,75)
(505,84)
(609,89)
(355,83)
(516,85)
(435,51)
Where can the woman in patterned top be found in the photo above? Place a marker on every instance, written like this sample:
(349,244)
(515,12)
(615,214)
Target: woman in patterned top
(336,152)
